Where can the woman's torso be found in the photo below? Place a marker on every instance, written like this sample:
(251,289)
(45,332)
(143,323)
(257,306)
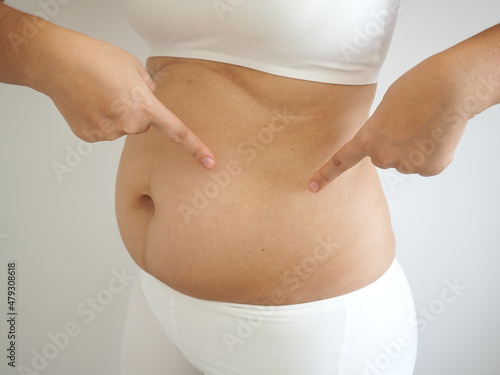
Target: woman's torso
(249,231)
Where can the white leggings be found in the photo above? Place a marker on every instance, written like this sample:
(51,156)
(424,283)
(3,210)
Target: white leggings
(366,332)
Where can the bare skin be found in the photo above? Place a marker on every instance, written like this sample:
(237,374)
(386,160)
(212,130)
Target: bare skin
(427,109)
(249,230)
(255,235)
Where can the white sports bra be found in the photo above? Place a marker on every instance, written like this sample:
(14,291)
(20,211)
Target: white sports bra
(332,41)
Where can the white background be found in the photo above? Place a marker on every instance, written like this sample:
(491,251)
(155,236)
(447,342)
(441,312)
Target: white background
(66,244)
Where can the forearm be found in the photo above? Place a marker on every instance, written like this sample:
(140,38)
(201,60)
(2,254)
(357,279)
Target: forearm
(22,40)
(477,61)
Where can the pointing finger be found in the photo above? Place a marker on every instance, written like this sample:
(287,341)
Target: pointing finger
(347,157)
(176,130)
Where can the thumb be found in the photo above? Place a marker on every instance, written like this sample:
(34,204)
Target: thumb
(347,157)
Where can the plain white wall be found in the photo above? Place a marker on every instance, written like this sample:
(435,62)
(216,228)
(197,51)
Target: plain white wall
(63,235)
(448,226)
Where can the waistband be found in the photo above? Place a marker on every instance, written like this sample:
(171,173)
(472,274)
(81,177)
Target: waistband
(394,277)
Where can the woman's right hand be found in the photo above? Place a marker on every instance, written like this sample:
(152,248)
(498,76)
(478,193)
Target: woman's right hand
(104,92)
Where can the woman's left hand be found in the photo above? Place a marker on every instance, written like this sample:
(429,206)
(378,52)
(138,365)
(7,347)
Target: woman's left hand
(416,127)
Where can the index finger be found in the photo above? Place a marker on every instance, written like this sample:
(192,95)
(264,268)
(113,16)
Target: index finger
(347,157)
(177,131)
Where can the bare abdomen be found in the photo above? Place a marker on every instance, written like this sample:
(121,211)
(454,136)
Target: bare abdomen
(249,231)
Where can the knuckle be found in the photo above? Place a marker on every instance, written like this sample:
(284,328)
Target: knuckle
(449,159)
(380,164)
(180,136)
(337,165)
(385,158)
(437,167)
(430,172)
(107,137)
(133,128)
(197,150)
(146,107)
(89,135)
(444,164)
(111,132)
(323,177)
(110,137)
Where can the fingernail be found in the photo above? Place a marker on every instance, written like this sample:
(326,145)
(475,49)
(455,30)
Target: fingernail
(314,187)
(208,162)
